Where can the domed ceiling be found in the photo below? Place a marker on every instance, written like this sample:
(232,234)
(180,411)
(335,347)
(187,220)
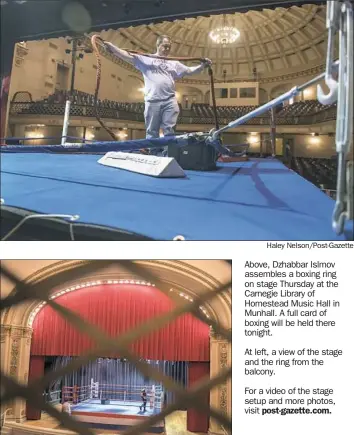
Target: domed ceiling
(272,42)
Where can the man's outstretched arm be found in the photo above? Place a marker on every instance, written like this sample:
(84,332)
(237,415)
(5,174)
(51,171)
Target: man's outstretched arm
(122,54)
(197,69)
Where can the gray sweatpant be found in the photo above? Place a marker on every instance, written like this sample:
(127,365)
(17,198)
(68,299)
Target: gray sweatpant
(161,114)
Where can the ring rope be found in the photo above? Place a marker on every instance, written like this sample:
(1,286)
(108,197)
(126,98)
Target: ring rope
(94,40)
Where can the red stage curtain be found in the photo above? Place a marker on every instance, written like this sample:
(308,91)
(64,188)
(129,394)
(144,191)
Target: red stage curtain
(198,421)
(115,309)
(36,370)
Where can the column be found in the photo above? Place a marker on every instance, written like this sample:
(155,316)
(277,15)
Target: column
(220,397)
(15,354)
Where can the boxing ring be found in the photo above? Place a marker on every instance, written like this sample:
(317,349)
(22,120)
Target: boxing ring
(113,407)
(259,199)
(61,192)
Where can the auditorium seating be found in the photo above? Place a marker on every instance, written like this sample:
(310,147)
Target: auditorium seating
(303,108)
(302,112)
(321,172)
(205,110)
(300,108)
(84,99)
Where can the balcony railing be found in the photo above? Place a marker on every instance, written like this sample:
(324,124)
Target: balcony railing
(3,417)
(53,109)
(58,109)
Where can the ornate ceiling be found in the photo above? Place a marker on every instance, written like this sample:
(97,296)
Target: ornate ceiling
(265,34)
(274,41)
(217,271)
(193,277)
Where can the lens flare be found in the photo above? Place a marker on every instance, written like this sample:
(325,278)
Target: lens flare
(76,17)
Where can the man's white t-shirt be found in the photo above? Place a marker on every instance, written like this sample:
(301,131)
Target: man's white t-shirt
(159,76)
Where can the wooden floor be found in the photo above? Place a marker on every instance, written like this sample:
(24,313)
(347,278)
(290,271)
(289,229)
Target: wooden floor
(176,424)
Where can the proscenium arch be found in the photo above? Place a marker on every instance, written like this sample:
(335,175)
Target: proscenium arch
(99,281)
(175,274)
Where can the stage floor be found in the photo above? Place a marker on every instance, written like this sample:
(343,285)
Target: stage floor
(115,415)
(260,199)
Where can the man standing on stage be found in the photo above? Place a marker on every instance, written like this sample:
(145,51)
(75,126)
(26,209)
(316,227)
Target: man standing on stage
(161,106)
(144,399)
